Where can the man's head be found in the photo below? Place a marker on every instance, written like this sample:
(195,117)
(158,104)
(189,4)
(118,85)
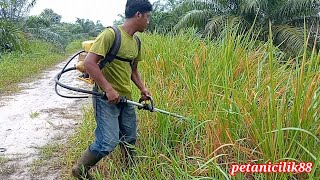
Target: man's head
(139,11)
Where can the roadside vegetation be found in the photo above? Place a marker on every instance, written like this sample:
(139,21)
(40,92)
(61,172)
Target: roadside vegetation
(29,44)
(19,66)
(244,107)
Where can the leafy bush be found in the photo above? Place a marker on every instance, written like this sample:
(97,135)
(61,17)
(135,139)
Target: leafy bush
(37,22)
(11,36)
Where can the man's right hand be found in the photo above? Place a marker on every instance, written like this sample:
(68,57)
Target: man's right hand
(113,96)
(92,68)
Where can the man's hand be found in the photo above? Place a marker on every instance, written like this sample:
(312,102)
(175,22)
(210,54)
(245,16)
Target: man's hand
(92,68)
(113,96)
(144,93)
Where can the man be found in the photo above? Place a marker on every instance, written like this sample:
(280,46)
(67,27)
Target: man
(116,122)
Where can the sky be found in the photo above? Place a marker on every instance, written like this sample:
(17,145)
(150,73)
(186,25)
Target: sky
(104,10)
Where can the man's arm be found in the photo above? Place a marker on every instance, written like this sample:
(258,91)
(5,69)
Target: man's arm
(92,68)
(136,78)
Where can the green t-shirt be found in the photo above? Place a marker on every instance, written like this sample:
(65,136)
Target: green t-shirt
(117,73)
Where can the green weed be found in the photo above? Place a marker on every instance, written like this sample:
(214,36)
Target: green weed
(243,107)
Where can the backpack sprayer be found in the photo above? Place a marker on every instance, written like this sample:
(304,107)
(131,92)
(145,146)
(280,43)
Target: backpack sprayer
(150,107)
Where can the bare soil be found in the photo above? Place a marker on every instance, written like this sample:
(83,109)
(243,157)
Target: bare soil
(34,123)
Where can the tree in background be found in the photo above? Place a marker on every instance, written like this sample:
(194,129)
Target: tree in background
(287,18)
(36,22)
(11,36)
(120,20)
(87,26)
(16,28)
(12,13)
(15,10)
(164,16)
(51,16)
(47,26)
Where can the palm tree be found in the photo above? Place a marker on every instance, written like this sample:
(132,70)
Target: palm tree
(12,13)
(11,36)
(165,15)
(15,10)
(287,18)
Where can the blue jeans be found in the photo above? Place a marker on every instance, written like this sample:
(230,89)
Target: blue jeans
(115,123)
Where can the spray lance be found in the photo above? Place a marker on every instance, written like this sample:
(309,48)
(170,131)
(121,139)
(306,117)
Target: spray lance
(145,106)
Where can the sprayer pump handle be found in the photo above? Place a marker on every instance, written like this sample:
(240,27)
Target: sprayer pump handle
(149,107)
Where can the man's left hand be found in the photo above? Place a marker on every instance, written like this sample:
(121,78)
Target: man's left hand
(144,94)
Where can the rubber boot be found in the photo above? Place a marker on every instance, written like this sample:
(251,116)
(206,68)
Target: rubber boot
(86,161)
(127,154)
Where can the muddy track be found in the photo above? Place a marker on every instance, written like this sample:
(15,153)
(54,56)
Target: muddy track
(33,118)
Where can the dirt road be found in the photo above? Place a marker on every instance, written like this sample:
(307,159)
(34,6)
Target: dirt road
(33,118)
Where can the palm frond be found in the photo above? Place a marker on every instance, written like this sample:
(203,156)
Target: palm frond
(189,5)
(11,36)
(309,20)
(246,6)
(196,18)
(289,38)
(297,8)
(36,21)
(214,5)
(95,31)
(218,24)
(48,35)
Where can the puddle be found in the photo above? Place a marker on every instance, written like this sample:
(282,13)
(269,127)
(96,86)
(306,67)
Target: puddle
(34,117)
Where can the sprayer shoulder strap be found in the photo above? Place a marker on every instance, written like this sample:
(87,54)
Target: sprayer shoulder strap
(115,47)
(138,42)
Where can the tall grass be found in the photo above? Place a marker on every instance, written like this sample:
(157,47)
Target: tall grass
(244,107)
(18,66)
